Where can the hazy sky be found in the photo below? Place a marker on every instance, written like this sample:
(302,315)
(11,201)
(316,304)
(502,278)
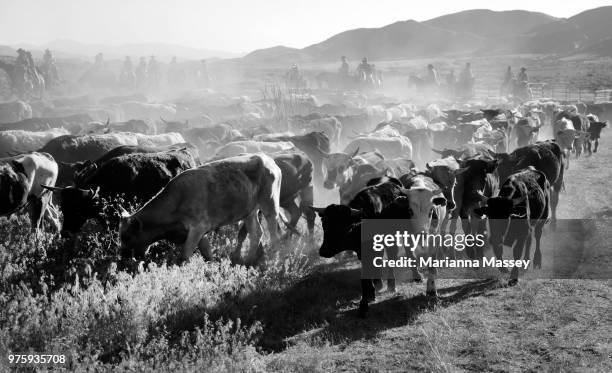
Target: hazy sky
(230,25)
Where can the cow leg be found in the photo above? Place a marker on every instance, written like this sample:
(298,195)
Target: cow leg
(36,213)
(205,249)
(52,216)
(306,200)
(431,290)
(596,146)
(527,249)
(588,148)
(294,212)
(517,253)
(271,212)
(391,254)
(242,234)
(537,255)
(194,235)
(554,201)
(255,232)
(466,224)
(368,294)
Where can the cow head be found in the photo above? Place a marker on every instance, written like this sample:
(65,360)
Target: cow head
(472,180)
(499,211)
(130,231)
(421,200)
(83,169)
(595,129)
(445,177)
(336,166)
(338,222)
(77,206)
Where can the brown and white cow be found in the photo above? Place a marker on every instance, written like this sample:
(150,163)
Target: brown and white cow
(206,198)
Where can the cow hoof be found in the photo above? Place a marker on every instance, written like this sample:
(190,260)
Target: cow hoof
(513,282)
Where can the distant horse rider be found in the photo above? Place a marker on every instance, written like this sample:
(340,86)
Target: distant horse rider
(466,81)
(141,73)
(364,70)
(49,70)
(432,76)
(153,72)
(522,76)
(451,83)
(176,76)
(506,87)
(344,67)
(127,77)
(521,90)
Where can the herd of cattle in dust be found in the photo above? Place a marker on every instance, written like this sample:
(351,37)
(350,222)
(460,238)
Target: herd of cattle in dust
(210,160)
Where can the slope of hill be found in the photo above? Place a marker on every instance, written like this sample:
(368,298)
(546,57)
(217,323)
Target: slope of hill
(398,40)
(278,54)
(472,32)
(491,24)
(595,23)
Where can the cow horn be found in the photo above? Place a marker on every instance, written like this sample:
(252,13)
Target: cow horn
(123,212)
(107,121)
(355,153)
(483,198)
(437,151)
(459,171)
(318,210)
(95,192)
(163,120)
(52,188)
(355,212)
(518,216)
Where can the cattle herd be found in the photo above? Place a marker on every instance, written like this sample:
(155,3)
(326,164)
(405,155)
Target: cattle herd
(201,163)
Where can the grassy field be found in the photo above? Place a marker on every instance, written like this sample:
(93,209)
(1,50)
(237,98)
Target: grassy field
(298,312)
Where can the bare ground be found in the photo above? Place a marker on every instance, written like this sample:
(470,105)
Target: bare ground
(477,325)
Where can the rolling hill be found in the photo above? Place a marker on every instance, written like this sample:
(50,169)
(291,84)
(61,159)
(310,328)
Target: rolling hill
(469,33)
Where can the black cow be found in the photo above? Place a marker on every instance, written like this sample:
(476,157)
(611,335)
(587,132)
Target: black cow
(342,226)
(473,180)
(544,156)
(521,208)
(136,175)
(81,170)
(594,135)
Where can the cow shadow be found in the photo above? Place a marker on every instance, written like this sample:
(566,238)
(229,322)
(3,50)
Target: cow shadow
(325,302)
(398,311)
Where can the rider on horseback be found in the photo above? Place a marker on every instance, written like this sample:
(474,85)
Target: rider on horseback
(466,81)
(127,78)
(522,76)
(506,87)
(344,68)
(364,70)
